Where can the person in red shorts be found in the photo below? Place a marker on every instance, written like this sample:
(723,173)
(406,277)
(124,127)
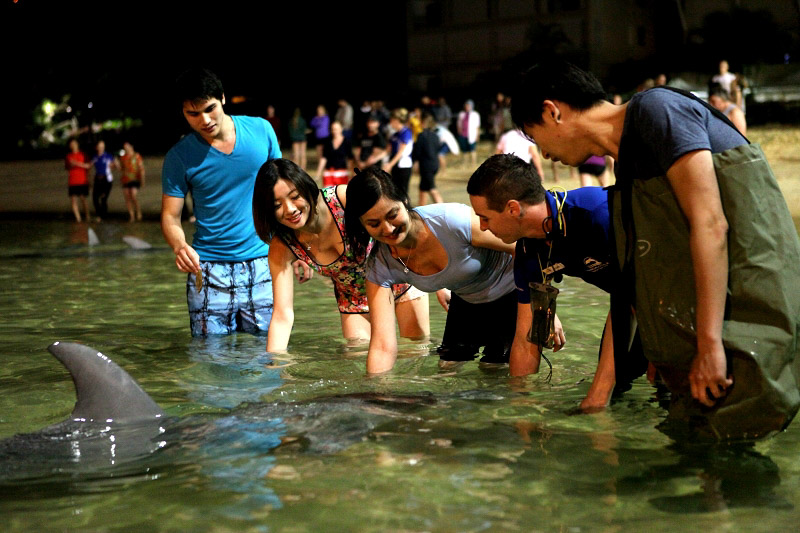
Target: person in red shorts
(78,180)
(336,164)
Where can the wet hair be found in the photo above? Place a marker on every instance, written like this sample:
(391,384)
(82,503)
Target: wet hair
(196,85)
(363,192)
(505,177)
(557,80)
(264,194)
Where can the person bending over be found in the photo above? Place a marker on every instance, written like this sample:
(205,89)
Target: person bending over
(437,248)
(556,234)
(301,221)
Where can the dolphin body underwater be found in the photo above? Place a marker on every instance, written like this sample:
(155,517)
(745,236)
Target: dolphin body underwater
(116,425)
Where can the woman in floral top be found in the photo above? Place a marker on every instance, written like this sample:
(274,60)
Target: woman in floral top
(301,221)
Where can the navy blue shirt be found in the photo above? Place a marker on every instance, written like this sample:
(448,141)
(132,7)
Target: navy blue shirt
(580,245)
(662,125)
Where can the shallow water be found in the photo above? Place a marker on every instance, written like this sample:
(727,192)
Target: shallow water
(314,445)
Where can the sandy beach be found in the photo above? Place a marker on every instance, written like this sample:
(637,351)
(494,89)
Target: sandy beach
(39,188)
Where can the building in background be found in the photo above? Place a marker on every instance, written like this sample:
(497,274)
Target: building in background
(454,44)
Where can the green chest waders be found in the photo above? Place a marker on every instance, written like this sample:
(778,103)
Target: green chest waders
(760,331)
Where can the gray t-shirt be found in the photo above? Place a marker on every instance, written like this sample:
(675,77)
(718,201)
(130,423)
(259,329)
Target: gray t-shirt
(662,125)
(478,275)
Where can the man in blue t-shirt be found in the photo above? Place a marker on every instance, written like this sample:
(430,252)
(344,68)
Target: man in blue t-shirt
(556,234)
(228,286)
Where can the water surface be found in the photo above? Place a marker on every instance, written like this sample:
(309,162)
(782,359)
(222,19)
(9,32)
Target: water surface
(305,442)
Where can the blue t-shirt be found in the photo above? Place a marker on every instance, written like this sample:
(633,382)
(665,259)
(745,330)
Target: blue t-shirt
(581,247)
(661,126)
(478,275)
(102,166)
(405,137)
(222,188)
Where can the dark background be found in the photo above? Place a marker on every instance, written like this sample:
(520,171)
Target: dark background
(123,57)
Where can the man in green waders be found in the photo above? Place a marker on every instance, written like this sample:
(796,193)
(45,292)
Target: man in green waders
(709,254)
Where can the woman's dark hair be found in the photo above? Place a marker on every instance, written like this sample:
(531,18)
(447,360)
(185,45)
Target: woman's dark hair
(264,194)
(554,80)
(363,192)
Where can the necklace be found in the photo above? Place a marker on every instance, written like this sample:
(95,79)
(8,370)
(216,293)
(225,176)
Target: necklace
(307,244)
(408,258)
(315,234)
(405,266)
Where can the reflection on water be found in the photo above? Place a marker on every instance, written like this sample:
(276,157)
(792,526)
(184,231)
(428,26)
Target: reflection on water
(303,441)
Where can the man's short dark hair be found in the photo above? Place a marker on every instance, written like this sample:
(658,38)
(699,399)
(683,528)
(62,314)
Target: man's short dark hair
(557,80)
(505,177)
(196,85)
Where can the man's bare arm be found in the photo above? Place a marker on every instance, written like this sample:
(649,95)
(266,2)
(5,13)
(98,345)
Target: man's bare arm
(186,259)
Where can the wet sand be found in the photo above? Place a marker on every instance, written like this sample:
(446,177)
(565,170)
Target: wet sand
(39,188)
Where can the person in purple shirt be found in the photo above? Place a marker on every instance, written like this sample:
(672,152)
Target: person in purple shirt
(321,126)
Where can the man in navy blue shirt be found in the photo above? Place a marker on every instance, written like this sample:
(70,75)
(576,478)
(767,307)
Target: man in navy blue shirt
(556,234)
(709,255)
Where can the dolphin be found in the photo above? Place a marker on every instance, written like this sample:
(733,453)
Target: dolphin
(116,425)
(113,422)
(92,237)
(136,243)
(105,392)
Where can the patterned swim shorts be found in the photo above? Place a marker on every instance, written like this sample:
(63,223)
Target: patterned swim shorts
(235,296)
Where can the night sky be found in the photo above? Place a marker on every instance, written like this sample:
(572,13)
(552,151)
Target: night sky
(123,56)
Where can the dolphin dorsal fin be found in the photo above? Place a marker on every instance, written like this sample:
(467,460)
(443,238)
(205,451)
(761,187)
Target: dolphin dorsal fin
(104,390)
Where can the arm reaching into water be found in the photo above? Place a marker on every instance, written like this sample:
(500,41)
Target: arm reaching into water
(280,268)
(694,183)
(604,377)
(525,355)
(383,339)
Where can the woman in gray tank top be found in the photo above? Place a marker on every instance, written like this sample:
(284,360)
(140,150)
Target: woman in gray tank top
(438,248)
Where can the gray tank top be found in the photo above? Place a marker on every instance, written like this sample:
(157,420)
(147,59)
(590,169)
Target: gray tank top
(478,275)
